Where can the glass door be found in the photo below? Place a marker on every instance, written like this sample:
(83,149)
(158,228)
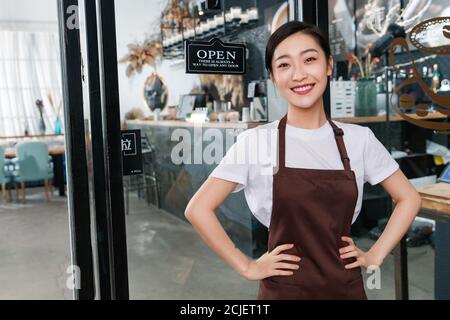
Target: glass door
(45,224)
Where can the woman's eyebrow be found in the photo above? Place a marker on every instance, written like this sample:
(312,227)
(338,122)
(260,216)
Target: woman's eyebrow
(301,53)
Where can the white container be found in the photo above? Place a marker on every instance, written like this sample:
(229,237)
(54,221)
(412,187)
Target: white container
(228,17)
(244,18)
(246,114)
(219,19)
(156,114)
(252,14)
(236,13)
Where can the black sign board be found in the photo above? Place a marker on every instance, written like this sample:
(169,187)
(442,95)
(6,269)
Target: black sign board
(131,152)
(215,57)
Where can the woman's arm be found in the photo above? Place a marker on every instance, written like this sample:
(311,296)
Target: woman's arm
(408,204)
(200,212)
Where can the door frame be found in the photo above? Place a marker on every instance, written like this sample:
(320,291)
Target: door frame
(109,225)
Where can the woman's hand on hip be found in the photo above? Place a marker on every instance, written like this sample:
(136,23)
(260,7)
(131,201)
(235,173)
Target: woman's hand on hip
(272,264)
(363,259)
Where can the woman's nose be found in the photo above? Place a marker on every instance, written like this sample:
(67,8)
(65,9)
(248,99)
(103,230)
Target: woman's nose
(299,74)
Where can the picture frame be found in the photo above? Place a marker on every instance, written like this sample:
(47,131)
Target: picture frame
(185,106)
(445,175)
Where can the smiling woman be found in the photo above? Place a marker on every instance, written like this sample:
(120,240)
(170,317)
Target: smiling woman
(311,197)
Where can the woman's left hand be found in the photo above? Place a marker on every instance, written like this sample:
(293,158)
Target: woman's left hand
(363,259)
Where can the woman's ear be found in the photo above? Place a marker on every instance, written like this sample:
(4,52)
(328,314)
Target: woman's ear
(330,66)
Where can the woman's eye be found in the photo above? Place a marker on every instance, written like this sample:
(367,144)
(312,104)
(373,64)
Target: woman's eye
(310,59)
(283,65)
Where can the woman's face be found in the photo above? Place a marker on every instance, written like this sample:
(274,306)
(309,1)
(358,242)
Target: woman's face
(300,70)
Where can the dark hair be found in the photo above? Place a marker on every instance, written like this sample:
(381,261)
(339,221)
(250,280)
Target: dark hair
(290,28)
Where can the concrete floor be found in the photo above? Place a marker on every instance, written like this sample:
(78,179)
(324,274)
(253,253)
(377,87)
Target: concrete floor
(167,259)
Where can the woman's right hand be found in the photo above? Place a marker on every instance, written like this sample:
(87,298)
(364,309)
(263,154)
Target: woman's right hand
(272,264)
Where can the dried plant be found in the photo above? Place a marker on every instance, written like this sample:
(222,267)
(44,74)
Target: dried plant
(135,113)
(56,110)
(140,55)
(366,65)
(231,86)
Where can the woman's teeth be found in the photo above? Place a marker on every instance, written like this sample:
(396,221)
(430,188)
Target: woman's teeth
(303,89)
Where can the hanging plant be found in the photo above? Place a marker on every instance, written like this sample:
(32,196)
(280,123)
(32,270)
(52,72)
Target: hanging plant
(141,55)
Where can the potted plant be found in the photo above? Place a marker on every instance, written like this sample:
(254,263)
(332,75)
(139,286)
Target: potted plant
(366,90)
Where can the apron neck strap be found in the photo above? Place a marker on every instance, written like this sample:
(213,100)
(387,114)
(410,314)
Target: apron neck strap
(338,134)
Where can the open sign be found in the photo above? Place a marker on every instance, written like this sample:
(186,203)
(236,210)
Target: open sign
(215,57)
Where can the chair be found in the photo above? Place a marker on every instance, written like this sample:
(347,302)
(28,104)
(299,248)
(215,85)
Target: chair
(32,164)
(146,181)
(4,177)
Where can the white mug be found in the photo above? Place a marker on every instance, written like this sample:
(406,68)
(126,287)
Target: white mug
(245,114)
(157,114)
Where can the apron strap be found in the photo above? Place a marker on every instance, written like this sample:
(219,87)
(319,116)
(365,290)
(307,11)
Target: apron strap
(282,142)
(338,134)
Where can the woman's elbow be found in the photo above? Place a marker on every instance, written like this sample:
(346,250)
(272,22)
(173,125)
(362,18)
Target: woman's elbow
(415,202)
(189,211)
(418,201)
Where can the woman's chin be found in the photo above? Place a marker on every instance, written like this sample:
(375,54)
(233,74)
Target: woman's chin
(302,105)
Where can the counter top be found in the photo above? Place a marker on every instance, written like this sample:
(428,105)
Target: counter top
(394,117)
(180,123)
(436,197)
(249,125)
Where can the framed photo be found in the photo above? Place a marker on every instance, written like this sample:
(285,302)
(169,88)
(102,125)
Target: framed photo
(445,175)
(185,106)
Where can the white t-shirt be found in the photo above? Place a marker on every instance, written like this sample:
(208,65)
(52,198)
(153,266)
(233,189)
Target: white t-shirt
(252,160)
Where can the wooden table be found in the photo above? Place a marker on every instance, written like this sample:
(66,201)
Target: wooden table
(436,206)
(57,154)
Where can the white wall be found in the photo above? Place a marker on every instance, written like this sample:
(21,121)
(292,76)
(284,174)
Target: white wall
(135,20)
(28,10)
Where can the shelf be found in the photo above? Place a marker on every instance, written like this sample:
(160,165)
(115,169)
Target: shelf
(396,117)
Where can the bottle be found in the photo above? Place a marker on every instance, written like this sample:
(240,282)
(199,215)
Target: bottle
(436,76)
(424,71)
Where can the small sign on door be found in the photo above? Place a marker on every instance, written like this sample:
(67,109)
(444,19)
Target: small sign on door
(215,57)
(131,152)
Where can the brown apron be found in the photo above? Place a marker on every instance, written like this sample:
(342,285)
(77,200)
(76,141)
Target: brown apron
(313,209)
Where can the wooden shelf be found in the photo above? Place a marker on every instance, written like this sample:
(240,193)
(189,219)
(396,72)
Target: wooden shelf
(396,117)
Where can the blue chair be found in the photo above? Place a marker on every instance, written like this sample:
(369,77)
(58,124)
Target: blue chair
(4,177)
(32,164)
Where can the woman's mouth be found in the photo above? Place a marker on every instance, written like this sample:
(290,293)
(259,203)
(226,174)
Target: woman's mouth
(303,89)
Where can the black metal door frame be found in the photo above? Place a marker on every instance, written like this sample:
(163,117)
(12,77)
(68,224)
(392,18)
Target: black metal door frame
(104,104)
(316,12)
(109,84)
(77,174)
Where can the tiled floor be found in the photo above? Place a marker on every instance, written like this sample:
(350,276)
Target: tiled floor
(167,259)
